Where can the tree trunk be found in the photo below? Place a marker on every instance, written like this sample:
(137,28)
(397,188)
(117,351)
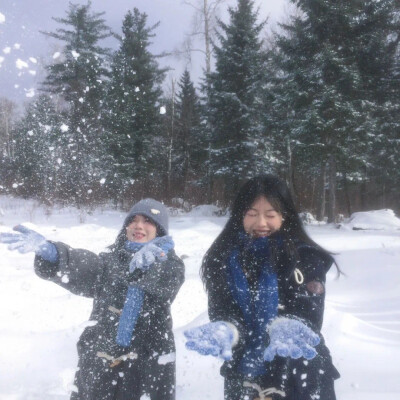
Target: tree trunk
(290,171)
(363,191)
(207,36)
(332,189)
(322,194)
(346,191)
(171,143)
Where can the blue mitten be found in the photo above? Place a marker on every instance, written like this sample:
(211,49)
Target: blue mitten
(129,316)
(157,249)
(214,338)
(291,338)
(28,240)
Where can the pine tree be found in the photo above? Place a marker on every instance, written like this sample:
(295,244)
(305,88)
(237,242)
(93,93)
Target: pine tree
(234,100)
(78,75)
(7,144)
(38,148)
(189,152)
(325,100)
(133,104)
(378,51)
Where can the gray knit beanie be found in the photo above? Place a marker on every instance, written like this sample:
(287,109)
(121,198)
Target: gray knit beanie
(152,209)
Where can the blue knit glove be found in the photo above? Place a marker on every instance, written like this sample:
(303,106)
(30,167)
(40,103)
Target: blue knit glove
(290,338)
(214,338)
(157,249)
(130,313)
(28,240)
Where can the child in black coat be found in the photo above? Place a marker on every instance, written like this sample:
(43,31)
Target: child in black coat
(265,279)
(128,351)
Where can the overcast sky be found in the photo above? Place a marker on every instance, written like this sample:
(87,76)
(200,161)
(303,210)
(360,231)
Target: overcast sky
(23,48)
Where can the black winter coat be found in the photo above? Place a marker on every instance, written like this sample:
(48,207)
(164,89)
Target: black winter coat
(300,300)
(106,370)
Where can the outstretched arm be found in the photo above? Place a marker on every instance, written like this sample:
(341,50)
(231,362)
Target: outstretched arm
(27,240)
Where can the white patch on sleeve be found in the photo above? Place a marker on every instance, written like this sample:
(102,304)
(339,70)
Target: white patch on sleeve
(166,358)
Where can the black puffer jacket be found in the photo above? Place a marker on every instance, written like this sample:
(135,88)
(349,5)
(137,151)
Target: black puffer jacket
(106,370)
(302,298)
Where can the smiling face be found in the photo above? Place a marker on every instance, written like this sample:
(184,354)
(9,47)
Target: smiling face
(262,219)
(141,230)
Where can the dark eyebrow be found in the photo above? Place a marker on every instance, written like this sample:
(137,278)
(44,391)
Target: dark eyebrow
(253,209)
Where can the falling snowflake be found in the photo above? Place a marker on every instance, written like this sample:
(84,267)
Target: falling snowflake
(7,50)
(102,181)
(75,54)
(33,60)
(64,128)
(2,18)
(56,55)
(163,110)
(17,46)
(21,64)
(30,92)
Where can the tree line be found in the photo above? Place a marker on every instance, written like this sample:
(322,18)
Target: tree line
(316,103)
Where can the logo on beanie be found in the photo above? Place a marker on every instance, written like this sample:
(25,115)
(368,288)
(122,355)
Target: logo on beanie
(154,211)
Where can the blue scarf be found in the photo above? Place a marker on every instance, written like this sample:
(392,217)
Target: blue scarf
(259,306)
(135,295)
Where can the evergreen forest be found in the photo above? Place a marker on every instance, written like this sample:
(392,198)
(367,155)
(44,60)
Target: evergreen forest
(317,102)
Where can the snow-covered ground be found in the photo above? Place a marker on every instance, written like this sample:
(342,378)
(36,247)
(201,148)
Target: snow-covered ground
(41,322)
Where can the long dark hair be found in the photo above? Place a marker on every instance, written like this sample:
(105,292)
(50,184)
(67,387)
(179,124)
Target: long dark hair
(278,194)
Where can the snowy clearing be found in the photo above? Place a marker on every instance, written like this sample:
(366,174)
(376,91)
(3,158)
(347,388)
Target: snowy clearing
(40,322)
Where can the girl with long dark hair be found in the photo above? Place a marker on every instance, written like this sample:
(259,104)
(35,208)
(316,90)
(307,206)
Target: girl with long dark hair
(265,279)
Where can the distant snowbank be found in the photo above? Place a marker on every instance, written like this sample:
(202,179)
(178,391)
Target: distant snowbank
(372,220)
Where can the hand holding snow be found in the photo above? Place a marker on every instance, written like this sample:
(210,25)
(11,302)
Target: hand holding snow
(214,338)
(291,338)
(27,240)
(149,253)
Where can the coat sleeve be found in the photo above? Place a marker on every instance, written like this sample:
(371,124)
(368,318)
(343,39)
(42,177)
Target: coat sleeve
(163,280)
(77,270)
(222,307)
(305,298)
